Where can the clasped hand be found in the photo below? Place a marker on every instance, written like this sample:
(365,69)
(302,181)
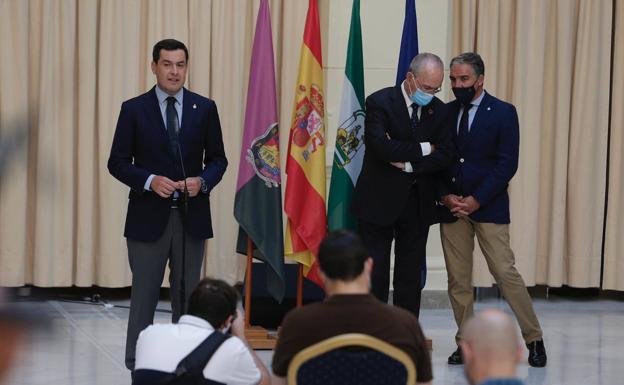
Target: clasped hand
(460,206)
(164,186)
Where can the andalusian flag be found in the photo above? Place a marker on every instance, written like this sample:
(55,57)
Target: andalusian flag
(305,164)
(349,150)
(258,200)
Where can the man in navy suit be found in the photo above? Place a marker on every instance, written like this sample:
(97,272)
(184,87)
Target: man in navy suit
(408,142)
(167,141)
(486,136)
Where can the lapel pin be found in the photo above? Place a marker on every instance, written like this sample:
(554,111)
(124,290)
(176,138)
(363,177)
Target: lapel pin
(195,106)
(489,108)
(430,111)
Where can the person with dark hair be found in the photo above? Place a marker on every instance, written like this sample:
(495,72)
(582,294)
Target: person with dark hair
(487,139)
(212,311)
(168,45)
(349,308)
(168,148)
(408,142)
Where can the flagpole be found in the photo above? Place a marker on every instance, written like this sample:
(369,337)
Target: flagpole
(257,337)
(300,285)
(248,283)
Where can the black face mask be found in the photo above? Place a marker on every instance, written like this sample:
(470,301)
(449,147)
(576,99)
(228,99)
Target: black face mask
(464,94)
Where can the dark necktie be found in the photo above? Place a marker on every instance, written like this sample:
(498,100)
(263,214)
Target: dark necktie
(172,125)
(462,133)
(414,118)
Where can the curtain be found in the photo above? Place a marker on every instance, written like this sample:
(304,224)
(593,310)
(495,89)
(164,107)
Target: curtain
(69,66)
(614,239)
(551,59)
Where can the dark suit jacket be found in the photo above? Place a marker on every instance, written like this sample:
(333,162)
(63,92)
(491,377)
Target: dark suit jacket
(141,147)
(382,190)
(485,166)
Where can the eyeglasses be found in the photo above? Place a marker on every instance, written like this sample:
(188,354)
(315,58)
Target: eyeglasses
(428,89)
(424,87)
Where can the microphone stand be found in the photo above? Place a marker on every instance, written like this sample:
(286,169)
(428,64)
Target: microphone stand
(185,199)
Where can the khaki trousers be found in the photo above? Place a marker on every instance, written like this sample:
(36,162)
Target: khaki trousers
(458,246)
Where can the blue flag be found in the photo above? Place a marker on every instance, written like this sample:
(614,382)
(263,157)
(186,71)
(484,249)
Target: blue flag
(409,49)
(409,40)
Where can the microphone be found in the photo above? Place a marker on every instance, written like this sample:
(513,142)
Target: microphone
(185,193)
(185,198)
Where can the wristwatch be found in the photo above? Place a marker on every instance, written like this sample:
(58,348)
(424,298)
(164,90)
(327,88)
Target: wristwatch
(204,186)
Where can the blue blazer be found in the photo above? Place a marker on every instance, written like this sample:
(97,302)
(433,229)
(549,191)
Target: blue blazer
(489,160)
(141,147)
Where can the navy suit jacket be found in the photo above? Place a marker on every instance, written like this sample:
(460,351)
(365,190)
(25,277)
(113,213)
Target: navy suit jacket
(486,164)
(382,190)
(141,147)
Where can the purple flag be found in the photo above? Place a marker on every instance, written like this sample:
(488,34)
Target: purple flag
(258,200)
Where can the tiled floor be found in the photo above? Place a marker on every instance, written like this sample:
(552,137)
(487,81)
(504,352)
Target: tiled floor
(85,345)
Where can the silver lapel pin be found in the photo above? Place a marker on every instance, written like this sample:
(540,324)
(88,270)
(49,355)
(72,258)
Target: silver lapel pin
(195,106)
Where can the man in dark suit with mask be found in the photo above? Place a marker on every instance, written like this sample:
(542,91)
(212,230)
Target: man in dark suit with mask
(408,141)
(161,137)
(486,135)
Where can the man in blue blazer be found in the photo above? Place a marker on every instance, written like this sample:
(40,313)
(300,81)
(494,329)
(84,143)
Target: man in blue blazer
(167,141)
(486,137)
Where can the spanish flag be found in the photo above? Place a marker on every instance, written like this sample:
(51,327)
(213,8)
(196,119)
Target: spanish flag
(305,165)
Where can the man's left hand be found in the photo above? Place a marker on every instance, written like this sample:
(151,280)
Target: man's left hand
(193,184)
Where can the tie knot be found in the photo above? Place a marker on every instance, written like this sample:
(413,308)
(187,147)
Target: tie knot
(414,106)
(171,100)
(467,106)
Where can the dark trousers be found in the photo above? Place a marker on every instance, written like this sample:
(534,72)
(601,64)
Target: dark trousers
(147,263)
(410,235)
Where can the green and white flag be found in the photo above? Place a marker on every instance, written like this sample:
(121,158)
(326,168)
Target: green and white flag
(349,151)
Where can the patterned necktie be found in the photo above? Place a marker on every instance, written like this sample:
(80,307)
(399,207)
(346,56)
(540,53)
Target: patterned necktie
(172,125)
(462,134)
(414,119)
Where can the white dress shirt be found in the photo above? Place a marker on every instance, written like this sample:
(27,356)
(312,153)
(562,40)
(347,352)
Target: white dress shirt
(162,346)
(424,146)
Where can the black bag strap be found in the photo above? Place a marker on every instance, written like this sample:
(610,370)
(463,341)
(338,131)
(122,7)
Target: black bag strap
(195,362)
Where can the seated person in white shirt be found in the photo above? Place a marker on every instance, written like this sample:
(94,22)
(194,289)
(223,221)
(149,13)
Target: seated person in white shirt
(212,306)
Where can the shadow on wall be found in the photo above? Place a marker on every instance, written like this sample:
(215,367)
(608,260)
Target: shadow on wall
(13,137)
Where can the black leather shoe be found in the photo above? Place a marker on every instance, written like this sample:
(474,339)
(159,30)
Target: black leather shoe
(456,358)
(537,354)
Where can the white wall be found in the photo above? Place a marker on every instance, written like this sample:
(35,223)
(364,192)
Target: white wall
(382,26)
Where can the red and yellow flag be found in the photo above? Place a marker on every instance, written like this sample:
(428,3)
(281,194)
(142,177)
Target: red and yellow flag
(305,165)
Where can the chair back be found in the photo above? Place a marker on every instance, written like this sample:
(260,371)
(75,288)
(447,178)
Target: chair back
(351,359)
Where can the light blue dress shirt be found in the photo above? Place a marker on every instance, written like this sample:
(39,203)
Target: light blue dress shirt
(502,381)
(471,112)
(162,103)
